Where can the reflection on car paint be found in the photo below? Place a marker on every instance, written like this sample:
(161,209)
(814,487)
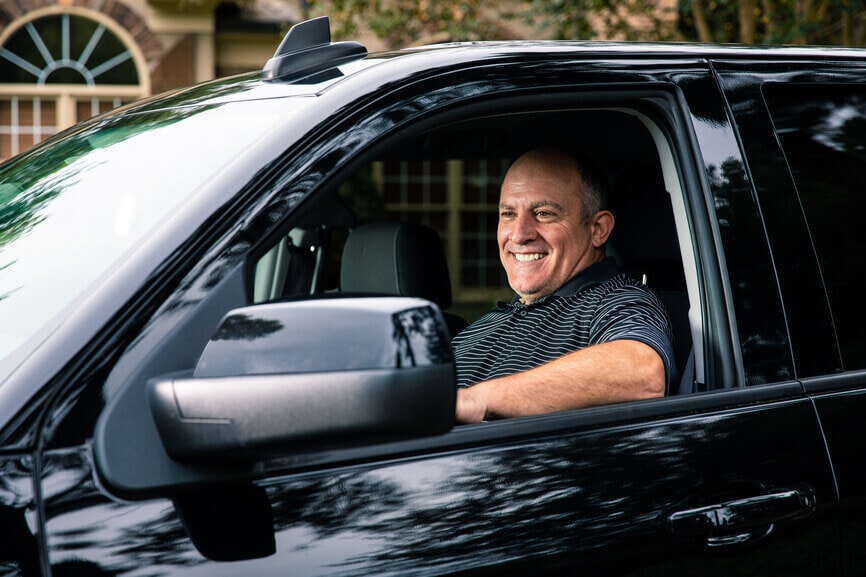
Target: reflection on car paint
(574,494)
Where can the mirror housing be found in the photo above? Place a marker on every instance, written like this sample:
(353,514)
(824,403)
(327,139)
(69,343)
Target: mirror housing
(312,374)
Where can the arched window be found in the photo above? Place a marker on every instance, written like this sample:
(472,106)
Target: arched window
(56,70)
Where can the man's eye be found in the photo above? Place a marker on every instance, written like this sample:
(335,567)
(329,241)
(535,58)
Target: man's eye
(506,214)
(543,214)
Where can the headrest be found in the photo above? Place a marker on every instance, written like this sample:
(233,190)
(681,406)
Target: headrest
(396,258)
(644,239)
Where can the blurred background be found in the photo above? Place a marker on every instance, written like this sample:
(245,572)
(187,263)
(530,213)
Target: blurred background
(62,61)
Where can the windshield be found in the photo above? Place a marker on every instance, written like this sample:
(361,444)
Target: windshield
(71,209)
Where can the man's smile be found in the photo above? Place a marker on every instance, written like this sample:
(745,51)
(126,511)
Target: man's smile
(528,257)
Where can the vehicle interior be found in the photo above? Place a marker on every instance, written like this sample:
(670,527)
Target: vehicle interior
(430,198)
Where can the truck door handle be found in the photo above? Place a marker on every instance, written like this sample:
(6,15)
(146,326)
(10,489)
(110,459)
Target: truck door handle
(741,520)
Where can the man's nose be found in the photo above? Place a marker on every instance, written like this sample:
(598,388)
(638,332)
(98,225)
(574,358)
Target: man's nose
(522,229)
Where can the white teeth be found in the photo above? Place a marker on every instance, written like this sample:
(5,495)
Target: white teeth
(529,257)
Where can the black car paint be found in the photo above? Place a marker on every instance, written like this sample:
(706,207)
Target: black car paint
(838,395)
(596,501)
(589,492)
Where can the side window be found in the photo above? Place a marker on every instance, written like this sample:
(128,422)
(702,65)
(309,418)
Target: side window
(447,179)
(456,197)
(822,129)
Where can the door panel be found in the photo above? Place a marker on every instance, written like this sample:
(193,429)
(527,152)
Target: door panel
(602,502)
(805,133)
(841,415)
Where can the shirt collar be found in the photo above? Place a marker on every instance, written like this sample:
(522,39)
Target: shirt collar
(594,275)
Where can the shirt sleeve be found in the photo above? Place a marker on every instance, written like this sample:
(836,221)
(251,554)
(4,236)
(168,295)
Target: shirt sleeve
(631,312)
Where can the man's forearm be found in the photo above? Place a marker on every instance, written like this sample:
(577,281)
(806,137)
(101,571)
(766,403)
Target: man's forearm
(611,372)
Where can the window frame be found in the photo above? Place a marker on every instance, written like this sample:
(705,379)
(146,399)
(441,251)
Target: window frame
(323,161)
(655,108)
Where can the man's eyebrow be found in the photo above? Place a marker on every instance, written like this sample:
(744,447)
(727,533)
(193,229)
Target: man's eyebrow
(536,205)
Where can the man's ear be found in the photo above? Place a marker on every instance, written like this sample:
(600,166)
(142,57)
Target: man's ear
(602,225)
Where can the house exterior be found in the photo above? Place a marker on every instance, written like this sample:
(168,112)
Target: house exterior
(62,61)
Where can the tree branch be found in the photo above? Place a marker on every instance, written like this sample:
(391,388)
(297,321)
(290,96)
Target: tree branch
(701,24)
(769,19)
(746,17)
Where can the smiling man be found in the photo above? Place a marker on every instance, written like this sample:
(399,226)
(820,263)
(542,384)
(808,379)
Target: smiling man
(578,332)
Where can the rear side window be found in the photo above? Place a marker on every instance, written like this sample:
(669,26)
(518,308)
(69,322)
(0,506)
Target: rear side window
(822,129)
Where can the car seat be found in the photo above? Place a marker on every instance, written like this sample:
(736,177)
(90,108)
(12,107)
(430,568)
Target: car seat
(402,259)
(644,241)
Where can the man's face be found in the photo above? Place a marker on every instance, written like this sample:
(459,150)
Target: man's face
(543,239)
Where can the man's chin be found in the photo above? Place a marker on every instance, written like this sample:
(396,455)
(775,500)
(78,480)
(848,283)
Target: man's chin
(530,294)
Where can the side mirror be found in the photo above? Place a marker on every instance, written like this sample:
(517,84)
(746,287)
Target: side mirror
(306,375)
(280,385)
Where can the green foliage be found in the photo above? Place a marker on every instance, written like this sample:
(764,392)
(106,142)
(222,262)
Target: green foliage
(404,22)
(597,19)
(825,22)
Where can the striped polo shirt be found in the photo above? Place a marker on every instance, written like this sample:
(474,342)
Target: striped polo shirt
(599,305)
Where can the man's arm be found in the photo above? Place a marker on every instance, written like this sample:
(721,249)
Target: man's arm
(611,372)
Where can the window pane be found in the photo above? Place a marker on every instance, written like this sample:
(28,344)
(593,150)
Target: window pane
(418,191)
(482,179)
(25,121)
(88,107)
(66,49)
(415,182)
(480,266)
(823,132)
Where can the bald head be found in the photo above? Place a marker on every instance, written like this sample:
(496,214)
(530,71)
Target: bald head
(578,174)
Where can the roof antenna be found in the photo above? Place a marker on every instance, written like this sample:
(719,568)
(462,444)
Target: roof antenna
(307,48)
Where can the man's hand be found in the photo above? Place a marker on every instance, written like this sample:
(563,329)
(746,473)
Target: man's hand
(471,407)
